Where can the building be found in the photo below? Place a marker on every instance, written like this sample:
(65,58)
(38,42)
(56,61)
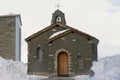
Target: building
(10,36)
(60,50)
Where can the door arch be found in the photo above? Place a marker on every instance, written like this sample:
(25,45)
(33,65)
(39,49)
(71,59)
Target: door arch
(62,64)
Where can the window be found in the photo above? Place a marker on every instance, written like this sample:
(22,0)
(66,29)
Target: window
(39,53)
(58,19)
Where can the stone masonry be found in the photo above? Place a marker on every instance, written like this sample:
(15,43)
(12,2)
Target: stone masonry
(8,36)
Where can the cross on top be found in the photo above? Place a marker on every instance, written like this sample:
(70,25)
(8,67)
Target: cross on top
(58,6)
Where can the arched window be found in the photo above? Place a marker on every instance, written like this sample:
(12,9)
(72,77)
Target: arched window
(39,53)
(58,19)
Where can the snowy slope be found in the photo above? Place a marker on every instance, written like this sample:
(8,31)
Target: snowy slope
(105,69)
(12,70)
(108,68)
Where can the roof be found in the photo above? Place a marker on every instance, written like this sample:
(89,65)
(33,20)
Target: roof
(75,31)
(58,12)
(57,33)
(62,33)
(44,30)
(12,15)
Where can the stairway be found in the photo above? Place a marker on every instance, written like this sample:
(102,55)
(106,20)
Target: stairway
(59,78)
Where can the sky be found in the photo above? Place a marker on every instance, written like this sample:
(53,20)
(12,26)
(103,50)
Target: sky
(99,18)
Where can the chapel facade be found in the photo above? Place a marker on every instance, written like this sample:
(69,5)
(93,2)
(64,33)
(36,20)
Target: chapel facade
(60,50)
(10,36)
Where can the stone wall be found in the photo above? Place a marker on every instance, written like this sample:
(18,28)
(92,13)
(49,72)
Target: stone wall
(78,49)
(7,37)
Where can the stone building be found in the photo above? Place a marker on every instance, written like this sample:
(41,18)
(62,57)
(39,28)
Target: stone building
(10,36)
(60,50)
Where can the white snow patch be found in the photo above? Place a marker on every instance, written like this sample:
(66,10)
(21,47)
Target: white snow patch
(82,77)
(57,33)
(35,77)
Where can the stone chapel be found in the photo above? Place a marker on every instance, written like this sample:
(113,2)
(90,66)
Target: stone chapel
(10,36)
(61,50)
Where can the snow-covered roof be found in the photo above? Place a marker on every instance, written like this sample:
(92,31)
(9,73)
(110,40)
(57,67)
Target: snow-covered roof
(57,33)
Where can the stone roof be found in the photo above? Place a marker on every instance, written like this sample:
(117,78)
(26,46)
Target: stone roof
(12,15)
(74,31)
(44,30)
(68,30)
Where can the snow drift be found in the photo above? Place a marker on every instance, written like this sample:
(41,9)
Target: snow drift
(12,70)
(105,69)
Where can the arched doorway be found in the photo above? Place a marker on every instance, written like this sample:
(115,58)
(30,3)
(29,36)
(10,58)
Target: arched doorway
(62,64)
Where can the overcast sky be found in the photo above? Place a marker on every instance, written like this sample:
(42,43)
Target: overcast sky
(99,18)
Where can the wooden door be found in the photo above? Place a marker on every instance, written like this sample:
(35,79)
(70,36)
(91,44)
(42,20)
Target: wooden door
(62,64)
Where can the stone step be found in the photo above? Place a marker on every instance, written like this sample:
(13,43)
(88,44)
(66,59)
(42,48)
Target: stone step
(59,78)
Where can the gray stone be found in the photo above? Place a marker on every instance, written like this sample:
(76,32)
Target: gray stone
(79,47)
(8,37)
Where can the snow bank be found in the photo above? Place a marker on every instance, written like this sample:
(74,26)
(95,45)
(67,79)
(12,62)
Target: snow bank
(105,69)
(14,70)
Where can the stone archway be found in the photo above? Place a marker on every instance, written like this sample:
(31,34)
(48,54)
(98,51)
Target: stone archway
(62,64)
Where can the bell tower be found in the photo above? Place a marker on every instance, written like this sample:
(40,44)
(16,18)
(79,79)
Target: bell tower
(58,16)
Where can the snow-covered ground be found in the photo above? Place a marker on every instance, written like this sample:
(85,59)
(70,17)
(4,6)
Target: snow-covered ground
(105,69)
(14,70)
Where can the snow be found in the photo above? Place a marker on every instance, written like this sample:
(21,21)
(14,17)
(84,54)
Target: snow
(35,77)
(14,70)
(57,33)
(105,69)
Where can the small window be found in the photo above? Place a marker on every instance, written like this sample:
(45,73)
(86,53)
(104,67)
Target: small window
(39,53)
(88,39)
